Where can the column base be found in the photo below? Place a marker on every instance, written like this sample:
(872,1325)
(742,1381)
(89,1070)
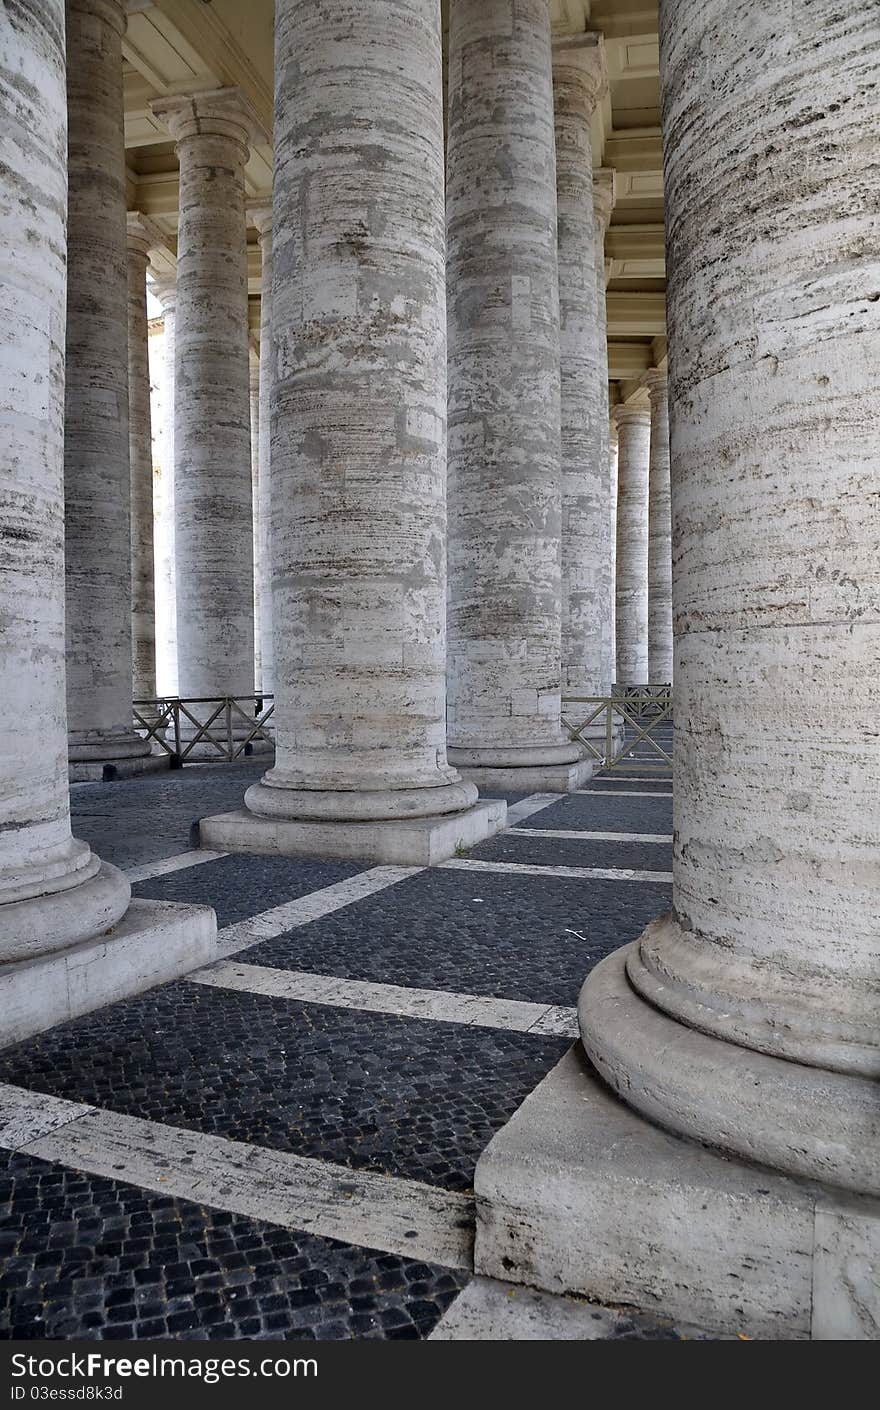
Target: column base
(533,778)
(154,942)
(406,841)
(107,770)
(579,1194)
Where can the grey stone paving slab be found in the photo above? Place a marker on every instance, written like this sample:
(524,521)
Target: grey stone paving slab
(511,936)
(412,1098)
(242,886)
(84,1256)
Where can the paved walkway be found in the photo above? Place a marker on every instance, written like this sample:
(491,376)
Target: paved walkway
(283,1144)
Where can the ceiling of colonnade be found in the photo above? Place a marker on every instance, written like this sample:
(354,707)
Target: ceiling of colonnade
(175,46)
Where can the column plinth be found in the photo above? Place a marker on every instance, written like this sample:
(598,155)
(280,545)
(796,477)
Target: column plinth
(631,614)
(96,439)
(505,486)
(659,534)
(357,454)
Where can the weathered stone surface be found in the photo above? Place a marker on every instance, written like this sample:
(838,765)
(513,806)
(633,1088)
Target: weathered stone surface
(96,451)
(631,616)
(613,451)
(141,239)
(52,888)
(504,468)
(163,502)
(254,364)
(659,534)
(358,427)
(261,216)
(212,467)
(604,197)
(579,81)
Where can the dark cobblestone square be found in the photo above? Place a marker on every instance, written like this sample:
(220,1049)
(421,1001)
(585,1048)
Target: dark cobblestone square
(510,846)
(242,886)
(611,814)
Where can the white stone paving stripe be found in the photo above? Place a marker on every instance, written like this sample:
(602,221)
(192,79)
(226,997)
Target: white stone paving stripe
(473,1010)
(586,873)
(576,836)
(359,1207)
(620,793)
(267,924)
(182,862)
(533,804)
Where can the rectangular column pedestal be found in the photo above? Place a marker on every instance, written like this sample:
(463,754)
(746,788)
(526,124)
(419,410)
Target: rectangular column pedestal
(579,1194)
(542,778)
(155,941)
(408,841)
(105,771)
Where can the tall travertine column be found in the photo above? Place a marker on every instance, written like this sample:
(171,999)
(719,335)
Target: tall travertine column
(578,83)
(55,894)
(631,617)
(163,502)
(505,486)
(659,535)
(96,465)
(254,387)
(613,452)
(753,1020)
(261,216)
(358,438)
(212,462)
(141,239)
(604,197)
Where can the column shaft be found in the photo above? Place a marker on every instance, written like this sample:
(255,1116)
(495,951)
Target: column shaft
(212,466)
(769,961)
(264,507)
(578,82)
(505,491)
(143,600)
(163,503)
(659,535)
(634,446)
(96,447)
(54,891)
(255,374)
(604,196)
(613,452)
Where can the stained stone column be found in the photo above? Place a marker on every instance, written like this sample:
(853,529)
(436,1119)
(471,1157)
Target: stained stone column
(261,217)
(163,503)
(55,894)
(613,452)
(212,462)
(749,1017)
(633,456)
(659,535)
(141,239)
(578,83)
(254,389)
(505,485)
(604,197)
(96,448)
(358,438)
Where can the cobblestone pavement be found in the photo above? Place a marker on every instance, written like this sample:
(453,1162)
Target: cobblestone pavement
(410,1098)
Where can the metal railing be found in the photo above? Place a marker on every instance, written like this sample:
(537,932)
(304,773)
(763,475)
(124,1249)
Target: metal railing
(623,730)
(207,728)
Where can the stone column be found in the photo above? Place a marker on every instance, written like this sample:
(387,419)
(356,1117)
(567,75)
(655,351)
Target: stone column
(55,894)
(358,439)
(578,83)
(141,239)
(212,464)
(749,1016)
(634,446)
(261,216)
(659,535)
(613,452)
(254,389)
(96,450)
(163,503)
(505,488)
(604,197)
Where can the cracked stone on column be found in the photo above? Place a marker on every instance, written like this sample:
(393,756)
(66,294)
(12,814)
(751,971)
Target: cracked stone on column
(96,449)
(142,237)
(631,617)
(579,81)
(505,483)
(163,502)
(659,534)
(261,217)
(68,940)
(212,463)
(358,441)
(604,197)
(254,392)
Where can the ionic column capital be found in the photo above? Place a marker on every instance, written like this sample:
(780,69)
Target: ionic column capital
(142,234)
(656,382)
(259,215)
(579,66)
(604,198)
(220,112)
(627,415)
(165,290)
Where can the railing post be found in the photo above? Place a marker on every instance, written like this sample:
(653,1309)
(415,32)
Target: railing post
(229,729)
(609,733)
